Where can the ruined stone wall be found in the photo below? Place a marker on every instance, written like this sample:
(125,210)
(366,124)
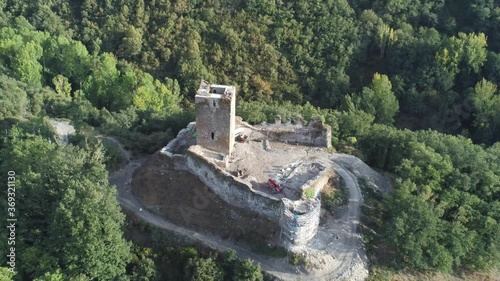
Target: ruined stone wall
(231,189)
(176,149)
(315,133)
(299,221)
(318,182)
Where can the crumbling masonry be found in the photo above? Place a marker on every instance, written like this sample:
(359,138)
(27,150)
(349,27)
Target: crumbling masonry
(217,160)
(215,117)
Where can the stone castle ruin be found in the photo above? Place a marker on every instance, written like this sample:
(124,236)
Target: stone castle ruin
(215,117)
(236,160)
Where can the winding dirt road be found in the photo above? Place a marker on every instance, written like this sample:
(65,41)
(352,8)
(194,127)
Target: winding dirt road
(346,259)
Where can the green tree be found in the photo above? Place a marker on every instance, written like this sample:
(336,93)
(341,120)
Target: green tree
(426,168)
(153,95)
(492,68)
(55,276)
(202,269)
(474,50)
(26,65)
(21,50)
(4,14)
(386,36)
(353,124)
(449,62)
(71,219)
(248,271)
(62,86)
(144,270)
(101,86)
(378,100)
(69,58)
(191,68)
(419,12)
(5,274)
(468,49)
(486,101)
(13,99)
(44,18)
(132,42)
(415,230)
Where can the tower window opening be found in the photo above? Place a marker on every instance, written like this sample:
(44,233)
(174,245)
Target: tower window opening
(213,135)
(213,102)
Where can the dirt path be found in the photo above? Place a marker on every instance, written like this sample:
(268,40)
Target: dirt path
(352,261)
(347,260)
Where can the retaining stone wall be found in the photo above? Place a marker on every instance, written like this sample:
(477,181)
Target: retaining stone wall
(231,189)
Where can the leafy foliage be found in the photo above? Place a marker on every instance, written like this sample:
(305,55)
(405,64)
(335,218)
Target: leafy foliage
(199,269)
(130,67)
(13,99)
(5,274)
(443,214)
(431,51)
(486,101)
(70,217)
(378,100)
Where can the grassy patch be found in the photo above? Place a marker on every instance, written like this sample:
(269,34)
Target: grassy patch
(308,193)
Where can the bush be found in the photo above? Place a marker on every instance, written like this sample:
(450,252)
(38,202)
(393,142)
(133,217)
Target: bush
(203,269)
(336,197)
(13,99)
(114,157)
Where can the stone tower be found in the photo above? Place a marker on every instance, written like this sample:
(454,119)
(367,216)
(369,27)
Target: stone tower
(215,117)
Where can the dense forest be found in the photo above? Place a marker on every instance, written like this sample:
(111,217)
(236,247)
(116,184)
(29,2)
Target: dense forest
(411,87)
